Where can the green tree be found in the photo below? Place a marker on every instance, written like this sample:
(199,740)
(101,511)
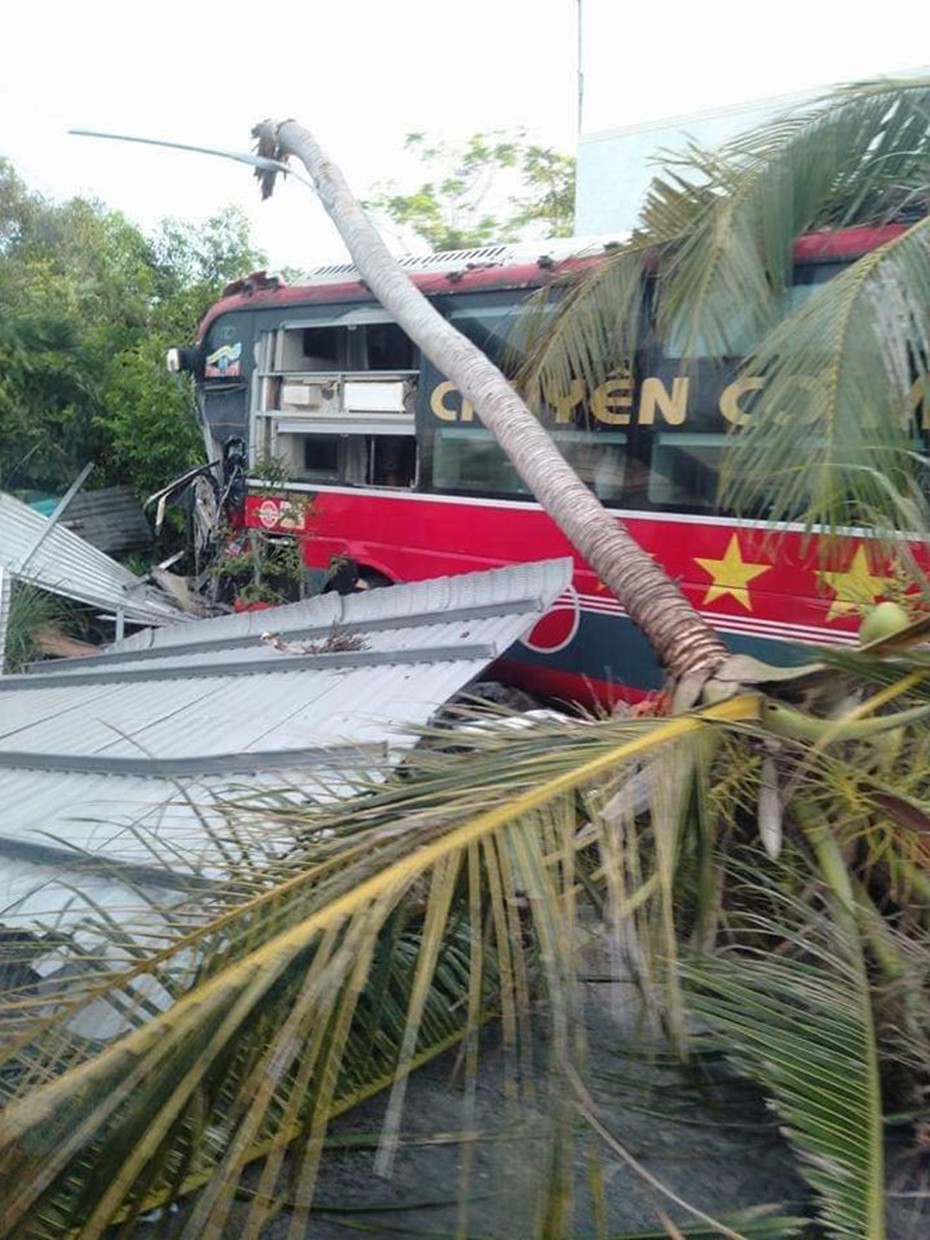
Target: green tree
(494,187)
(38,347)
(147,414)
(16,205)
(88,307)
(202,258)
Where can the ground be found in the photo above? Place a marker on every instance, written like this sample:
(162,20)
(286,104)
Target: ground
(706,1136)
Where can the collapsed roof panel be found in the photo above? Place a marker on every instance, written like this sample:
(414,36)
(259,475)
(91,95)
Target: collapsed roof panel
(128,757)
(46,554)
(445,600)
(110,518)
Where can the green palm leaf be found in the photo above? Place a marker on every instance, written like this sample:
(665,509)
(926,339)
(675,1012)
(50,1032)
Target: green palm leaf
(832,435)
(276,994)
(855,157)
(594,331)
(801,1025)
(841,372)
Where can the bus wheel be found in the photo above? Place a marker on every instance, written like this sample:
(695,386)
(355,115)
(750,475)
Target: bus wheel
(368,579)
(347,577)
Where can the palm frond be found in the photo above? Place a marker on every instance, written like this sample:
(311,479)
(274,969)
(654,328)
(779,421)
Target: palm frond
(831,438)
(275,996)
(594,332)
(801,1026)
(858,156)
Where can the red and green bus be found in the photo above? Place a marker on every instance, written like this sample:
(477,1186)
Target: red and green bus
(406,484)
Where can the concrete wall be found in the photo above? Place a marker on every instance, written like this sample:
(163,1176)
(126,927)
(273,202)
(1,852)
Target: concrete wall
(615,166)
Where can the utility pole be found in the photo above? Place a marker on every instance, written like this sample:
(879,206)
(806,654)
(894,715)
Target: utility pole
(580,56)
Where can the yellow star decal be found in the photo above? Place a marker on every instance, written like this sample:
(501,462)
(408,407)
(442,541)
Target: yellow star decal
(731,575)
(856,587)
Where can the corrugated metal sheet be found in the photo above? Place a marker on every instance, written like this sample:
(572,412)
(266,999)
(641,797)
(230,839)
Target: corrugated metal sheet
(128,756)
(450,610)
(56,559)
(6,597)
(110,519)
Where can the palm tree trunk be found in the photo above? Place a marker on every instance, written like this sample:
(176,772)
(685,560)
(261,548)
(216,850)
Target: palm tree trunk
(684,644)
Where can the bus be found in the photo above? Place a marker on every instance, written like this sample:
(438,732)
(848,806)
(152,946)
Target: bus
(389,475)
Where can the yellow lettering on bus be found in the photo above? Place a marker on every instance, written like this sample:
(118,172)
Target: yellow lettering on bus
(673,407)
(804,407)
(448,413)
(729,399)
(563,405)
(611,397)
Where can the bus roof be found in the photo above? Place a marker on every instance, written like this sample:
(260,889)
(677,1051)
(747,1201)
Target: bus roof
(497,267)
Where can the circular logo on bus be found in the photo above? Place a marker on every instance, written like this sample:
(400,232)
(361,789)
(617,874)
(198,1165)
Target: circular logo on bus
(268,513)
(557,628)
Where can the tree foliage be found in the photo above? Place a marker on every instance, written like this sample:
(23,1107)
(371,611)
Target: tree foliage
(495,186)
(832,435)
(88,306)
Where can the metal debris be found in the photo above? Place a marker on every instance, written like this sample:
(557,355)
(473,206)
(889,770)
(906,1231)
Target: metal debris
(117,770)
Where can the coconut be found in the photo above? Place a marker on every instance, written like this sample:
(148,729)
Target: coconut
(881,622)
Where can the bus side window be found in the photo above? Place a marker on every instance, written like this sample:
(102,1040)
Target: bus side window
(321,457)
(388,347)
(685,469)
(360,460)
(599,460)
(321,349)
(394,461)
(472,460)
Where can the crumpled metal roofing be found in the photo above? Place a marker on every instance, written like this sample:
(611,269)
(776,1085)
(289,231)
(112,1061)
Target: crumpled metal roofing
(114,768)
(110,519)
(56,559)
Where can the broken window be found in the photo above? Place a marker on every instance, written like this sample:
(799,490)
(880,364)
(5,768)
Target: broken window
(336,398)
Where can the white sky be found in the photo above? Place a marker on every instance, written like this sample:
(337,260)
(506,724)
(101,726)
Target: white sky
(362,73)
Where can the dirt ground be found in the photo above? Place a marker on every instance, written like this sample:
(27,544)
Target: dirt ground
(708,1139)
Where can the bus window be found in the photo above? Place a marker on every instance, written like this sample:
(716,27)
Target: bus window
(321,458)
(388,347)
(353,460)
(498,327)
(486,326)
(735,328)
(738,331)
(470,459)
(320,349)
(599,460)
(364,340)
(393,461)
(685,470)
